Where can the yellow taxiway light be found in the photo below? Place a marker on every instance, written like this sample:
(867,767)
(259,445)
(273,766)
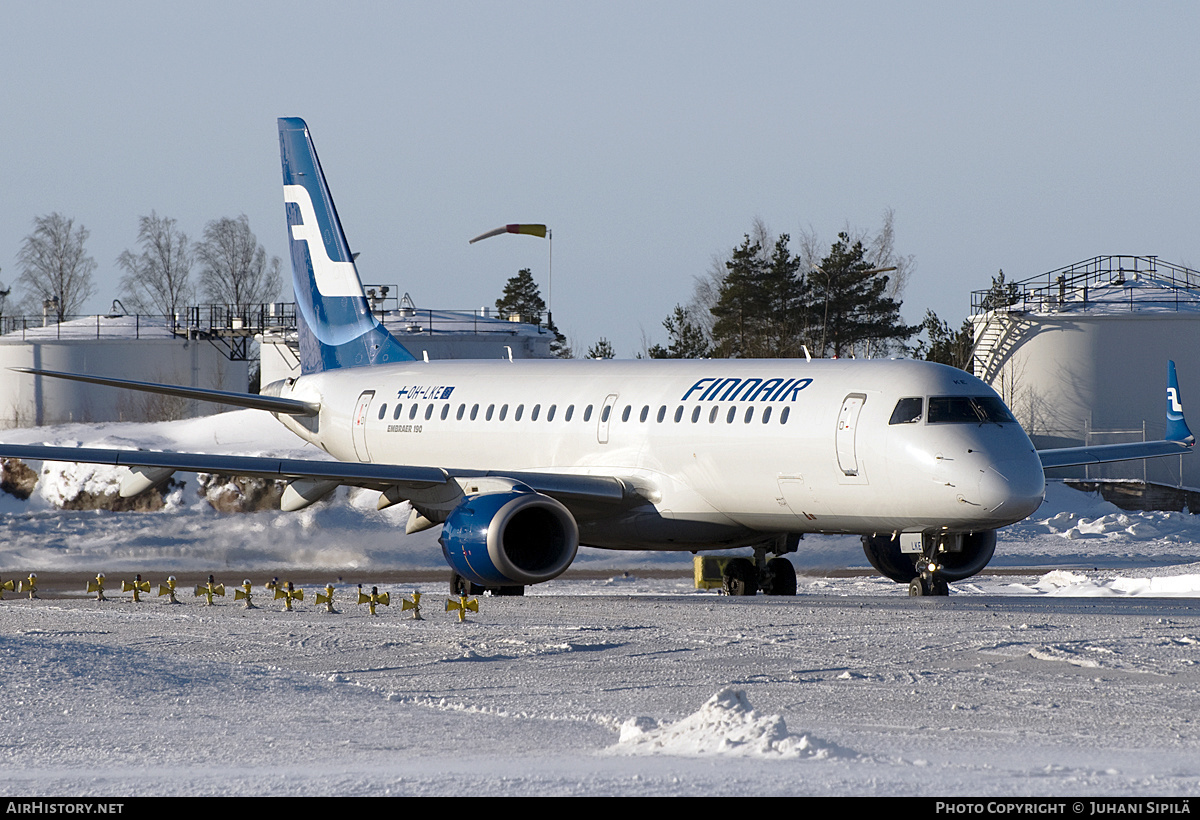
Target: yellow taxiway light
(462,605)
(288,594)
(97,586)
(326,598)
(30,585)
(243,594)
(376,597)
(414,604)
(210,589)
(137,587)
(168,588)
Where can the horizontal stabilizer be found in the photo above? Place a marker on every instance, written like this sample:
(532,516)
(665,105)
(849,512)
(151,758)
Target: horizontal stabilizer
(255,401)
(1100,454)
(1179,439)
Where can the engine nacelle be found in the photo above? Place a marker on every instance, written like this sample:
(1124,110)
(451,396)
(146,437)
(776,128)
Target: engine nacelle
(967,558)
(511,538)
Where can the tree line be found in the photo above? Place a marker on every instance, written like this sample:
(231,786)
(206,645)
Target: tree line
(161,276)
(772,297)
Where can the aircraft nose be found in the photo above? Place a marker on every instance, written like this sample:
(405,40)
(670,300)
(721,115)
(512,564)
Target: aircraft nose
(1013,489)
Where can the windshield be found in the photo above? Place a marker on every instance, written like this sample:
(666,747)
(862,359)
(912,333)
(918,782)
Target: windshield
(959,409)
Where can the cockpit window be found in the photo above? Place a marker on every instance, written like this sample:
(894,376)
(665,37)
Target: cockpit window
(962,409)
(908,411)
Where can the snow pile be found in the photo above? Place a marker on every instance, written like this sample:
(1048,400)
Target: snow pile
(726,725)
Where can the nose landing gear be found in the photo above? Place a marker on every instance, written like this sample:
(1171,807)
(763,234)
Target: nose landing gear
(929,580)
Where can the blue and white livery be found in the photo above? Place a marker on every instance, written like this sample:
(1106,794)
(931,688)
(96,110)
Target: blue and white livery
(520,462)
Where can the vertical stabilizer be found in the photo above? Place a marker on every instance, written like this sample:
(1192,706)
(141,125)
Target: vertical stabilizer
(1177,427)
(335,323)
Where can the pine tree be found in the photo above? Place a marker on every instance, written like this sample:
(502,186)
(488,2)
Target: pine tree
(687,338)
(522,299)
(944,345)
(602,349)
(855,314)
(738,315)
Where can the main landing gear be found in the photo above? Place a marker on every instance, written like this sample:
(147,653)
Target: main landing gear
(461,586)
(776,576)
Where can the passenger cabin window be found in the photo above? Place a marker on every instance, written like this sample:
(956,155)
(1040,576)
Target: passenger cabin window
(474,411)
(766,415)
(520,410)
(462,408)
(396,413)
(908,411)
(570,412)
(967,409)
(645,413)
(445,411)
(679,414)
(428,412)
(625,413)
(488,415)
(696,414)
(412,412)
(550,412)
(537,408)
(382,411)
(783,415)
(503,412)
(587,413)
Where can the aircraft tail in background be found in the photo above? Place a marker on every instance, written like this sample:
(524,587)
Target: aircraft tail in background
(335,324)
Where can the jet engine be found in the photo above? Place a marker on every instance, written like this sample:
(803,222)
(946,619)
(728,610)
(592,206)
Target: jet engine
(509,538)
(958,555)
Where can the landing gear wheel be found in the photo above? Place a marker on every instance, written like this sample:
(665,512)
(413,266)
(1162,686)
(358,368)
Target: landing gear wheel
(461,586)
(920,588)
(740,577)
(779,578)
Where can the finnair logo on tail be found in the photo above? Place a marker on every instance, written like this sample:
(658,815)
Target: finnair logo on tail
(1173,399)
(332,278)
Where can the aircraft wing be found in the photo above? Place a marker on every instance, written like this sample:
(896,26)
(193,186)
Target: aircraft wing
(431,486)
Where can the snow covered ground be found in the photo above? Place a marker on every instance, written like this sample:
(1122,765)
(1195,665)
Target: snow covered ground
(1079,677)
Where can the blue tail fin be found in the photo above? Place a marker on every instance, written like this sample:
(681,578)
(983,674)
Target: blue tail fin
(335,322)
(1177,427)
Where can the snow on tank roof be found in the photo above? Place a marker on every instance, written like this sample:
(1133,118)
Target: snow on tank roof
(1144,294)
(94,327)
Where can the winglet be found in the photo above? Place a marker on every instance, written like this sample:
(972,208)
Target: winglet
(1177,427)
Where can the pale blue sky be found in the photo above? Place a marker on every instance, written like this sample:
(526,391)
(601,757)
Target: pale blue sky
(649,136)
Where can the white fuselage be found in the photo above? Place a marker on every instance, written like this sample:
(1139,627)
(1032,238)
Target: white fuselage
(723,451)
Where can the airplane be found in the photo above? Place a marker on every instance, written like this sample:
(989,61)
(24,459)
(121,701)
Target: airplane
(520,462)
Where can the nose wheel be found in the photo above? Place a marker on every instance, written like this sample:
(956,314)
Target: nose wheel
(928,581)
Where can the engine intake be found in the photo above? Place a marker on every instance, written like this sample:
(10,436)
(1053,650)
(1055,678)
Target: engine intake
(511,538)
